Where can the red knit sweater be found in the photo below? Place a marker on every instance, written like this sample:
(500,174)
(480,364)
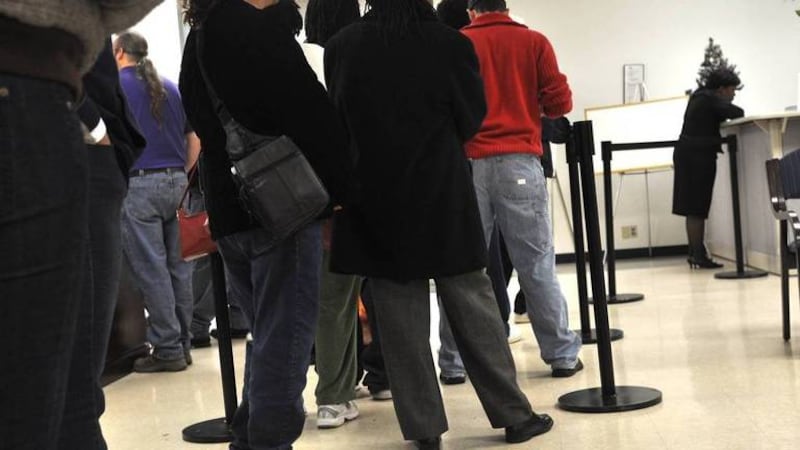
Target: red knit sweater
(522,82)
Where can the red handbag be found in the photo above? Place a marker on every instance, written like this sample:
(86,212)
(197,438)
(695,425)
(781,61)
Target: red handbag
(195,235)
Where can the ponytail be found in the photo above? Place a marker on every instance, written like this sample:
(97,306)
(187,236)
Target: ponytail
(135,46)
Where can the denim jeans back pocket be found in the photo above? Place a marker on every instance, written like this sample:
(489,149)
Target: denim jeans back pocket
(520,178)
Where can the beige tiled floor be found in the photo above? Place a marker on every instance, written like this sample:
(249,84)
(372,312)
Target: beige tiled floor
(713,347)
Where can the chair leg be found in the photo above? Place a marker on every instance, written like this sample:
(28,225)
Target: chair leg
(787,334)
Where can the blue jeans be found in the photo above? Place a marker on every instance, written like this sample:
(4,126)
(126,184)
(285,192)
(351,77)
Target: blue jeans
(512,192)
(151,243)
(450,363)
(204,310)
(44,181)
(278,289)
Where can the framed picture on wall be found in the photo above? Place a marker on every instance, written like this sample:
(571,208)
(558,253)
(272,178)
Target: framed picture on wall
(633,87)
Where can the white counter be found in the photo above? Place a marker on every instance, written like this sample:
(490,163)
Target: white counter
(760,138)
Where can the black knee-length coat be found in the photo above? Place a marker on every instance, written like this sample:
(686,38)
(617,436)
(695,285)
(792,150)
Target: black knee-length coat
(695,156)
(409,106)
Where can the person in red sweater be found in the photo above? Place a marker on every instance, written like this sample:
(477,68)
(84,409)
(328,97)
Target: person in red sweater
(522,82)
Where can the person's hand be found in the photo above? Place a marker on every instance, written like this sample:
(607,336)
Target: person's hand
(104,141)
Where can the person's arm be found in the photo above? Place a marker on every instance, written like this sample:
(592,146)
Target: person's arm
(555,96)
(469,97)
(726,110)
(192,149)
(95,129)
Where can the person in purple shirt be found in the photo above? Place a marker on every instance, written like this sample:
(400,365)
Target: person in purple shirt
(150,236)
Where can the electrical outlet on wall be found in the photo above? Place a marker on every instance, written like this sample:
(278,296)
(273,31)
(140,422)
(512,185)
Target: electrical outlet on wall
(629,232)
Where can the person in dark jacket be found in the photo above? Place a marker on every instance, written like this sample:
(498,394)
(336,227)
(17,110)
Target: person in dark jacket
(258,70)
(695,157)
(409,91)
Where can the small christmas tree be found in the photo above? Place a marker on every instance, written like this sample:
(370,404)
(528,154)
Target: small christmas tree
(712,61)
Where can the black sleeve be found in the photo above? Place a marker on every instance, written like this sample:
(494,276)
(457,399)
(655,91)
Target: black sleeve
(106,99)
(469,98)
(726,110)
(88,113)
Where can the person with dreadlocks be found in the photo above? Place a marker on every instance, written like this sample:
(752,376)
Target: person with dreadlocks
(149,225)
(252,60)
(409,91)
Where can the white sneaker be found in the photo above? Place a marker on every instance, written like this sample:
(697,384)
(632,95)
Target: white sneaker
(521,318)
(332,416)
(514,335)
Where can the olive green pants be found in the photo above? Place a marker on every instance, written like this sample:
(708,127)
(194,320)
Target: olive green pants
(336,341)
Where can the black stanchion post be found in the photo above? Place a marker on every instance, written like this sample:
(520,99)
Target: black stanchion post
(218,430)
(611,264)
(609,397)
(588,335)
(783,239)
(737,219)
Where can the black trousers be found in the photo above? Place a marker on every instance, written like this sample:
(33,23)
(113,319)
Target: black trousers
(403,315)
(44,183)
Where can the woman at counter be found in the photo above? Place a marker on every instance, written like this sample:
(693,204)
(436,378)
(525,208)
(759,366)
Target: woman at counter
(695,157)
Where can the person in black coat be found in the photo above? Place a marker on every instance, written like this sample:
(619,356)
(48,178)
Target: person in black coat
(409,92)
(260,74)
(695,157)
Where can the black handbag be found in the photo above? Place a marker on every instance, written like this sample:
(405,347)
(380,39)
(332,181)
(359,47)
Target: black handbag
(276,183)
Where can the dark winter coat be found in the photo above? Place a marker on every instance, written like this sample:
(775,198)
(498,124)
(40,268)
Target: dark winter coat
(695,156)
(261,75)
(409,107)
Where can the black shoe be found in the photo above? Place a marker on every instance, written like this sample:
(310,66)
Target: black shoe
(236,333)
(429,443)
(202,342)
(703,263)
(456,379)
(536,425)
(566,373)
(151,364)
(187,355)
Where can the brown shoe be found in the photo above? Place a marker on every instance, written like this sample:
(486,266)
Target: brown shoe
(151,364)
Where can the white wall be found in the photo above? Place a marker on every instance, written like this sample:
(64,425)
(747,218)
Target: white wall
(594,38)
(161,28)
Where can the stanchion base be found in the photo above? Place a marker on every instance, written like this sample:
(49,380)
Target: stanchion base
(591,337)
(208,432)
(622,298)
(627,398)
(740,275)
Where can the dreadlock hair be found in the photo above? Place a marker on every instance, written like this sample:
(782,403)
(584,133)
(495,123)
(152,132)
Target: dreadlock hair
(324,18)
(135,46)
(453,13)
(398,18)
(195,12)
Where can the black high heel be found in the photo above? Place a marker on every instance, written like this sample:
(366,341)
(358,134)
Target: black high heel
(703,263)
